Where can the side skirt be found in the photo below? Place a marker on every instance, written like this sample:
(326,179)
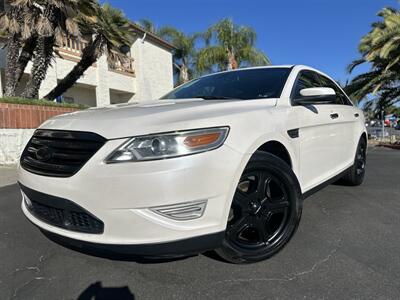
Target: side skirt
(324,184)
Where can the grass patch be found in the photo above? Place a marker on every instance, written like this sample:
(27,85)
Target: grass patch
(40,102)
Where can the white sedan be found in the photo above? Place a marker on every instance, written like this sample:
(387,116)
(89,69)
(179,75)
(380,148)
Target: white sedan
(223,162)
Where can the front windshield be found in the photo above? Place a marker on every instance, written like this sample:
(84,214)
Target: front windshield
(241,84)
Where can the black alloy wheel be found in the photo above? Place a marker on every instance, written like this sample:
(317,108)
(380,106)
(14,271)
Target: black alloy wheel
(355,175)
(361,159)
(265,211)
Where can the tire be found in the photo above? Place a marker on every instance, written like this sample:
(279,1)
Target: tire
(265,212)
(355,175)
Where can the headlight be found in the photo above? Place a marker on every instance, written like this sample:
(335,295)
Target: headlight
(168,145)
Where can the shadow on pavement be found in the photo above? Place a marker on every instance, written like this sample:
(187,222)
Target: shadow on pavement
(97,292)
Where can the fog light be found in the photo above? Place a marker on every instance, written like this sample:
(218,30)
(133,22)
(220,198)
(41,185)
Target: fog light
(182,211)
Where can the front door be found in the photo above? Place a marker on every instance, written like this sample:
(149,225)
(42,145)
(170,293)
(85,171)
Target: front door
(320,135)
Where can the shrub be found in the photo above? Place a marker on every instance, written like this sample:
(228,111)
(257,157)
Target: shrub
(41,102)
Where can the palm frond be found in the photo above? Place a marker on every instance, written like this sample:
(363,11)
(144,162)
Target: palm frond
(72,27)
(354,64)
(249,56)
(381,49)
(210,56)
(232,45)
(4,22)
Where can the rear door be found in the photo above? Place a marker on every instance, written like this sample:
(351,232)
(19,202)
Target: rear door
(345,124)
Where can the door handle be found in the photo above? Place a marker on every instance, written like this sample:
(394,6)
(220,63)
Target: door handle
(334,116)
(356,115)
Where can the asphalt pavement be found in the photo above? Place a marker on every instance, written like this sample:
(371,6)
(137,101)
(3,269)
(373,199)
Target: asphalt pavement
(347,247)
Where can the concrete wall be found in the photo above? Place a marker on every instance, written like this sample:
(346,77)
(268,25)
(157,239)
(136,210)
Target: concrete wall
(154,72)
(12,143)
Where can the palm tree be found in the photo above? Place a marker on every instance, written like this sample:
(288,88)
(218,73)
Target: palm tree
(233,48)
(52,20)
(10,24)
(381,49)
(184,57)
(110,32)
(15,25)
(25,57)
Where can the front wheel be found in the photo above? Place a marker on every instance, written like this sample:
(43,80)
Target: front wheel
(265,211)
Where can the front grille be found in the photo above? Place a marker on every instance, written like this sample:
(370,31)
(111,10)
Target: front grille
(59,153)
(61,212)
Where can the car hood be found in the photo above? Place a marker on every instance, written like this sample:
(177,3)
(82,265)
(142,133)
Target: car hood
(125,120)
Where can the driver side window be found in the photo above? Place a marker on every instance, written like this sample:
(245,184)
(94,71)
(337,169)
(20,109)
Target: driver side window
(306,79)
(341,98)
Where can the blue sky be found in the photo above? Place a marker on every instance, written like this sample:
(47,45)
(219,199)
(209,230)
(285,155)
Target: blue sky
(321,33)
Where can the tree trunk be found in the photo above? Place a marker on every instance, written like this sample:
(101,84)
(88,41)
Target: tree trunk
(232,62)
(12,57)
(41,63)
(183,74)
(89,56)
(24,58)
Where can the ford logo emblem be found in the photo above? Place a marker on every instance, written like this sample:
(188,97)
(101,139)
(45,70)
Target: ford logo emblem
(44,154)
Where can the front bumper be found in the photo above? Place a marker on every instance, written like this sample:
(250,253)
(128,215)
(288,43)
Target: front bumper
(122,195)
(183,247)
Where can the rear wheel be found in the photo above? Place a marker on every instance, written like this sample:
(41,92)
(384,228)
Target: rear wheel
(265,211)
(355,175)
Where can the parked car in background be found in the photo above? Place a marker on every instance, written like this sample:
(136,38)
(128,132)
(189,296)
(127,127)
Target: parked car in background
(223,162)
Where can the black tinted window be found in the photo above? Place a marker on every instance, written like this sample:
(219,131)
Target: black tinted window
(306,79)
(242,84)
(341,98)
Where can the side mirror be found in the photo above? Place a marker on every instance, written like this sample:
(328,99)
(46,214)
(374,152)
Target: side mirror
(318,95)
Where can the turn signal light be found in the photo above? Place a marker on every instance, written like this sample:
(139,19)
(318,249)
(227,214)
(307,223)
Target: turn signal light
(201,140)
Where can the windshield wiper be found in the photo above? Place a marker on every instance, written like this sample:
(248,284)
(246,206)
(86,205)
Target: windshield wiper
(210,97)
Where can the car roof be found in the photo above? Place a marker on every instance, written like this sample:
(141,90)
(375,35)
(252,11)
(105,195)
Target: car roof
(253,68)
(297,67)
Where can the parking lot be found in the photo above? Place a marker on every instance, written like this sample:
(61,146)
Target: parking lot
(347,246)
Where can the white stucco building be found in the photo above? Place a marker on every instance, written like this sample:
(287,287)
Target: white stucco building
(147,76)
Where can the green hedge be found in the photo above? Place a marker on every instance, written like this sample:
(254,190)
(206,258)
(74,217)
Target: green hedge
(40,102)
